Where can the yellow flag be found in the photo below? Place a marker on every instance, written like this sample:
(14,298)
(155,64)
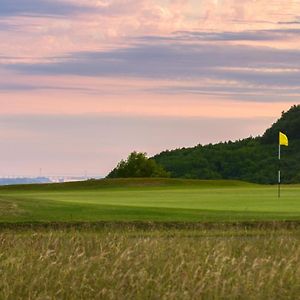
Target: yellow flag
(283,139)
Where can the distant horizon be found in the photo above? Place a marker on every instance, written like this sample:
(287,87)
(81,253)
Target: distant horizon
(84,83)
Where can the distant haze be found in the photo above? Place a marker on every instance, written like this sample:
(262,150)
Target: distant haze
(83,83)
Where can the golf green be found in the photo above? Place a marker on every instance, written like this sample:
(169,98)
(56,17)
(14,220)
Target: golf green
(149,200)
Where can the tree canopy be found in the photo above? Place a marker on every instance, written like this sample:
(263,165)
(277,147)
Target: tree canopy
(289,123)
(138,165)
(250,159)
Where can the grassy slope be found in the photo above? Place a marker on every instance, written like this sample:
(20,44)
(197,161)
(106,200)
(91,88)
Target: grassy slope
(148,199)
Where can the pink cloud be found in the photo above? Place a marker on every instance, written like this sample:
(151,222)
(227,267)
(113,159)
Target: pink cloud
(114,22)
(134,104)
(167,103)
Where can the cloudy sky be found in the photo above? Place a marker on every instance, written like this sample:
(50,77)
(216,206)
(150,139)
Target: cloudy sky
(85,82)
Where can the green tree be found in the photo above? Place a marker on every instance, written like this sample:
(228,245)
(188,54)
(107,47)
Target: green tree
(251,159)
(138,165)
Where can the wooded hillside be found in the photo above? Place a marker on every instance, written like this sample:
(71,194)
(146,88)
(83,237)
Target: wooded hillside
(250,159)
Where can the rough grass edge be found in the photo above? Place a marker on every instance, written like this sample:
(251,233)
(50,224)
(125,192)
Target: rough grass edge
(147,225)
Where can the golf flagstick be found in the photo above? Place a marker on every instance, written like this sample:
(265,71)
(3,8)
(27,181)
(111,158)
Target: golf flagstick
(279,171)
(284,141)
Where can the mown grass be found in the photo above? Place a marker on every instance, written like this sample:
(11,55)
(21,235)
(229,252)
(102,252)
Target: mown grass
(150,264)
(149,200)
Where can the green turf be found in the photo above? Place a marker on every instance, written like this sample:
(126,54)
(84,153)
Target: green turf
(149,200)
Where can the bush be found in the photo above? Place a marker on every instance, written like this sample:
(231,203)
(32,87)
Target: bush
(138,165)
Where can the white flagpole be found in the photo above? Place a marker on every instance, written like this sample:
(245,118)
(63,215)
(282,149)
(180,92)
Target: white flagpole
(279,171)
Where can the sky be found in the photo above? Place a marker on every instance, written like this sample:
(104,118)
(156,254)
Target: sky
(85,82)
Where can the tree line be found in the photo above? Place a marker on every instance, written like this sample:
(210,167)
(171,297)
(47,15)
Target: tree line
(250,159)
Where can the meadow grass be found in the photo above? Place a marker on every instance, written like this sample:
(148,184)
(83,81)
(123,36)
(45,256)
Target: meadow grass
(129,263)
(149,200)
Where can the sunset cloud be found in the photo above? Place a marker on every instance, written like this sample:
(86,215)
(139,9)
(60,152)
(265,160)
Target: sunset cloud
(40,7)
(242,72)
(134,72)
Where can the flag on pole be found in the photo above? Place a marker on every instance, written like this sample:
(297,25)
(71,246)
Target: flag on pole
(283,139)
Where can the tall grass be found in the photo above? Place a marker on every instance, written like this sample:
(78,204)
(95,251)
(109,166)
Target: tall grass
(161,264)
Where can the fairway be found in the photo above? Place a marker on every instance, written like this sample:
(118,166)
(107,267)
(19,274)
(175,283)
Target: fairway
(149,200)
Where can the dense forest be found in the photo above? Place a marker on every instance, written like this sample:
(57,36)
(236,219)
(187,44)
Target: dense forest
(250,159)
